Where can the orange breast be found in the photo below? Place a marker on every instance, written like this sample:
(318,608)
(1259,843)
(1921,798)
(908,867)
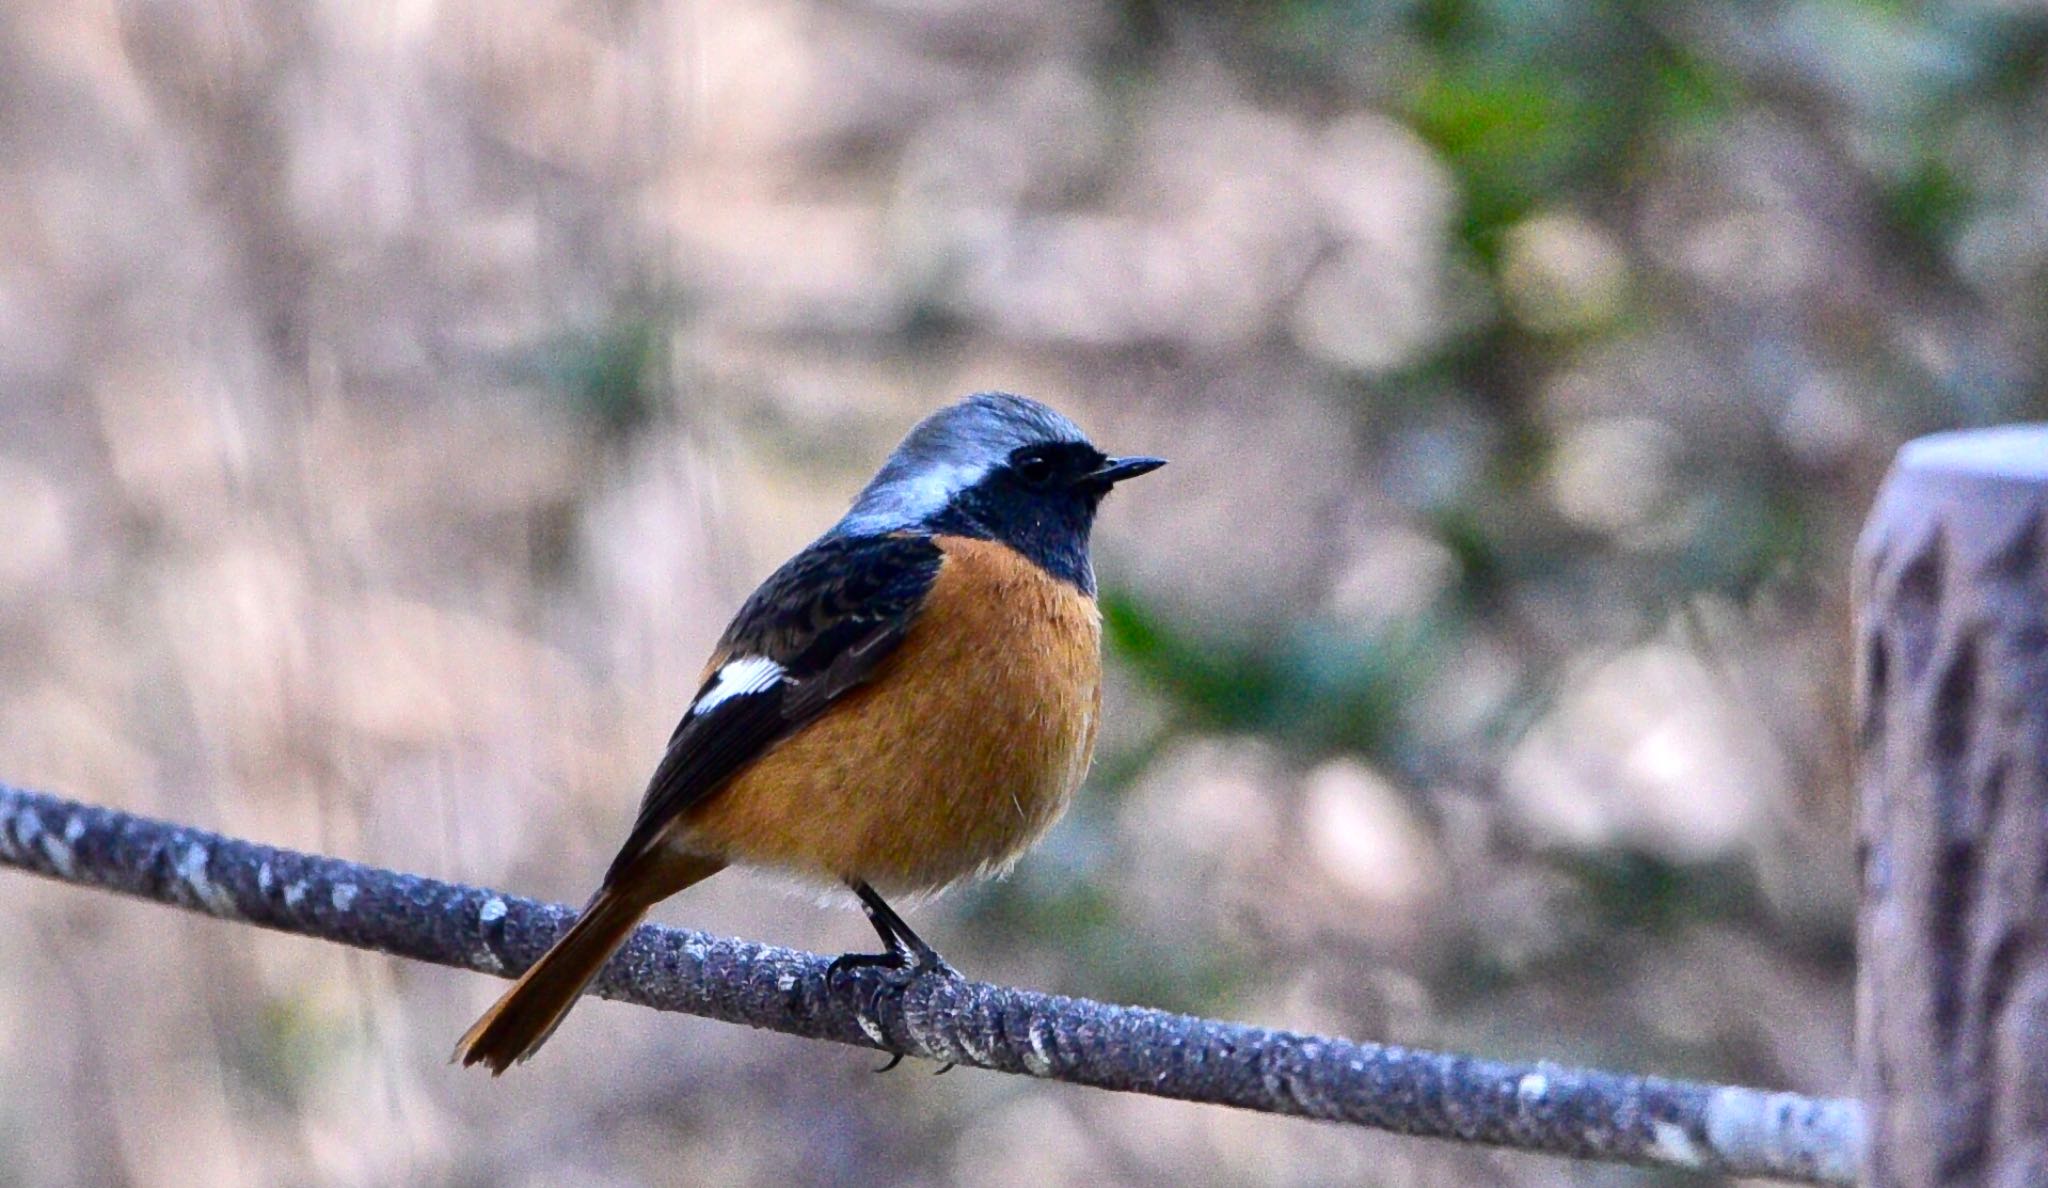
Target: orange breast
(963,749)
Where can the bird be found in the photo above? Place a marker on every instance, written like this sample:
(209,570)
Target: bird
(909,702)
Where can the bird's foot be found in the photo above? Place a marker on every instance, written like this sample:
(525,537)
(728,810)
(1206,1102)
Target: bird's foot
(898,969)
(906,958)
(903,964)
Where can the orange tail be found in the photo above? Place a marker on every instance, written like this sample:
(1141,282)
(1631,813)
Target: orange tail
(521,1021)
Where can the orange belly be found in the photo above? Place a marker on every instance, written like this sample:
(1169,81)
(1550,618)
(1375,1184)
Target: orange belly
(963,749)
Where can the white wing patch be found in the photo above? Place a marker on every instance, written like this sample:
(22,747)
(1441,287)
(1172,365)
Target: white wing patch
(737,678)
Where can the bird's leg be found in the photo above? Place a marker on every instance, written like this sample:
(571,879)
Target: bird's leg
(905,950)
(907,955)
(897,934)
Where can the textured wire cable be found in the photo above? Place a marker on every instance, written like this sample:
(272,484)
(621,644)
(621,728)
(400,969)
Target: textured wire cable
(1577,1113)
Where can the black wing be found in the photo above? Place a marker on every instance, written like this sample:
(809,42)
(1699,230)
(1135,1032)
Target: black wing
(817,627)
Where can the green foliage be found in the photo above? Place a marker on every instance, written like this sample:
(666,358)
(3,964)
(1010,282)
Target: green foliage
(1747,537)
(1109,948)
(1312,686)
(1539,105)
(285,1047)
(615,374)
(1509,133)
(1931,200)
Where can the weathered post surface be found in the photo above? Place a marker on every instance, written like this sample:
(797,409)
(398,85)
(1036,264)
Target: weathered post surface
(1952,679)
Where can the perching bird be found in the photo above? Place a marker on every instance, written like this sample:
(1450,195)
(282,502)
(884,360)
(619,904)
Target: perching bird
(908,702)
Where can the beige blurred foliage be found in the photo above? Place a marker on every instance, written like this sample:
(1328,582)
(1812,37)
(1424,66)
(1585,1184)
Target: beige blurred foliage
(319,530)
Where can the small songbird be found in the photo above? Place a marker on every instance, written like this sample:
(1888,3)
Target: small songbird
(908,702)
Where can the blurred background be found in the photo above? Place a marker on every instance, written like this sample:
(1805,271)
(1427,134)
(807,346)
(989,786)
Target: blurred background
(396,397)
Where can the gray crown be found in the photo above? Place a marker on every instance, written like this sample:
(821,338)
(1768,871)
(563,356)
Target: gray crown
(948,452)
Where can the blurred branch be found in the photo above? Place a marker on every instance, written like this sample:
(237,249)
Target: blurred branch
(1536,1107)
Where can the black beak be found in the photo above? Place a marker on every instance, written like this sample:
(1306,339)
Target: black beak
(1116,470)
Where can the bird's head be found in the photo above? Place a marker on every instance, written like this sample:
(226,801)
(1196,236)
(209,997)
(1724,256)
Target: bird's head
(1002,468)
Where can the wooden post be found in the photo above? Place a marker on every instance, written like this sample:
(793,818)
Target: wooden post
(1952,681)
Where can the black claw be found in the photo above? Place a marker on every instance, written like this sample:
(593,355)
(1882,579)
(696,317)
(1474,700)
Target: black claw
(851,961)
(894,1060)
(945,1068)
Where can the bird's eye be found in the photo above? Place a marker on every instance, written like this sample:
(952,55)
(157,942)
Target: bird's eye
(1033,468)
